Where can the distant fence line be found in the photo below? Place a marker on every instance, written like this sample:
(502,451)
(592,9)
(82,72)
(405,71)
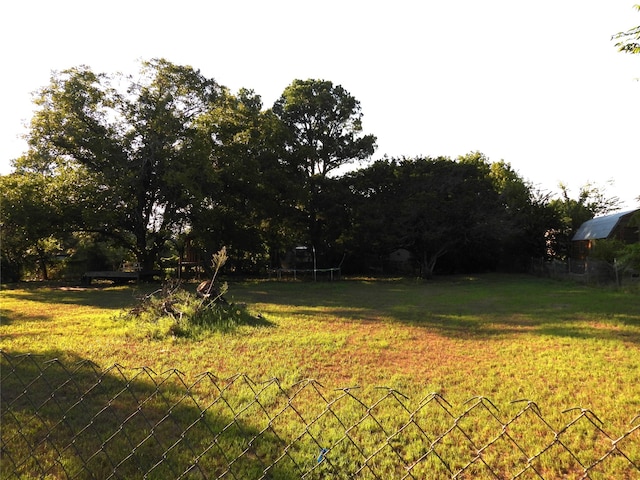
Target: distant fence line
(587,271)
(79,421)
(311,273)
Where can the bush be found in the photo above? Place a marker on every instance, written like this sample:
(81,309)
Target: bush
(630,256)
(173,311)
(10,271)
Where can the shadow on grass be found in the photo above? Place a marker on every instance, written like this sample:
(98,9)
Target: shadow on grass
(8,317)
(70,419)
(484,307)
(119,299)
(103,296)
(464,307)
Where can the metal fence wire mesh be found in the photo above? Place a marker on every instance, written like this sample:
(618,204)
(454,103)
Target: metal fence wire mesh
(80,421)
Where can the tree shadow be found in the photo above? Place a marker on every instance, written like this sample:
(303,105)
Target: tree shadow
(461,307)
(70,419)
(119,299)
(8,317)
(106,296)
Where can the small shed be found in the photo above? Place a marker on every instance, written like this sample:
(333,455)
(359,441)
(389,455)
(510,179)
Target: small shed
(616,225)
(400,261)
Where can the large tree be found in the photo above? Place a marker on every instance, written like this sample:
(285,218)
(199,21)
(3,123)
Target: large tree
(451,209)
(377,193)
(250,201)
(529,217)
(324,122)
(140,148)
(31,222)
(323,125)
(41,211)
(433,207)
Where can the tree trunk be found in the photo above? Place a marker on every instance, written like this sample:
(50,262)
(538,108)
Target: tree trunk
(145,255)
(147,260)
(428,262)
(426,266)
(42,263)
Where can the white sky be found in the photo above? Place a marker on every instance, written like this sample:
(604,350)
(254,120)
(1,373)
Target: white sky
(537,84)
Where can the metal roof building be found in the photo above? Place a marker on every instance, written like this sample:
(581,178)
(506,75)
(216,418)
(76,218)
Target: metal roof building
(602,227)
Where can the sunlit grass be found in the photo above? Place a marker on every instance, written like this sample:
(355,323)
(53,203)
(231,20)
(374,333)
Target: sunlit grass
(505,338)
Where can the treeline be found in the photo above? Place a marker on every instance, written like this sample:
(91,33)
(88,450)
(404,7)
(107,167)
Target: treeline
(145,168)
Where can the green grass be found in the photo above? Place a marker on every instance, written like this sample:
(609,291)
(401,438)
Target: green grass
(506,338)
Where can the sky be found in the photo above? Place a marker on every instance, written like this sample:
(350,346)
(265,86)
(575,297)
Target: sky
(539,85)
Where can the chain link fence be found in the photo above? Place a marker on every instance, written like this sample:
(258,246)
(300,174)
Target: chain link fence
(78,421)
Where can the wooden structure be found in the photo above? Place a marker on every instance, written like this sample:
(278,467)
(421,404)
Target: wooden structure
(190,261)
(615,226)
(128,271)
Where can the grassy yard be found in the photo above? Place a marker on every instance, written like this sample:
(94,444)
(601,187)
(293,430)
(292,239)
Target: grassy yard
(506,338)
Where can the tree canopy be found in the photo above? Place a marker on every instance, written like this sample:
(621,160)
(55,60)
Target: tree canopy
(324,123)
(629,40)
(137,148)
(432,207)
(146,166)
